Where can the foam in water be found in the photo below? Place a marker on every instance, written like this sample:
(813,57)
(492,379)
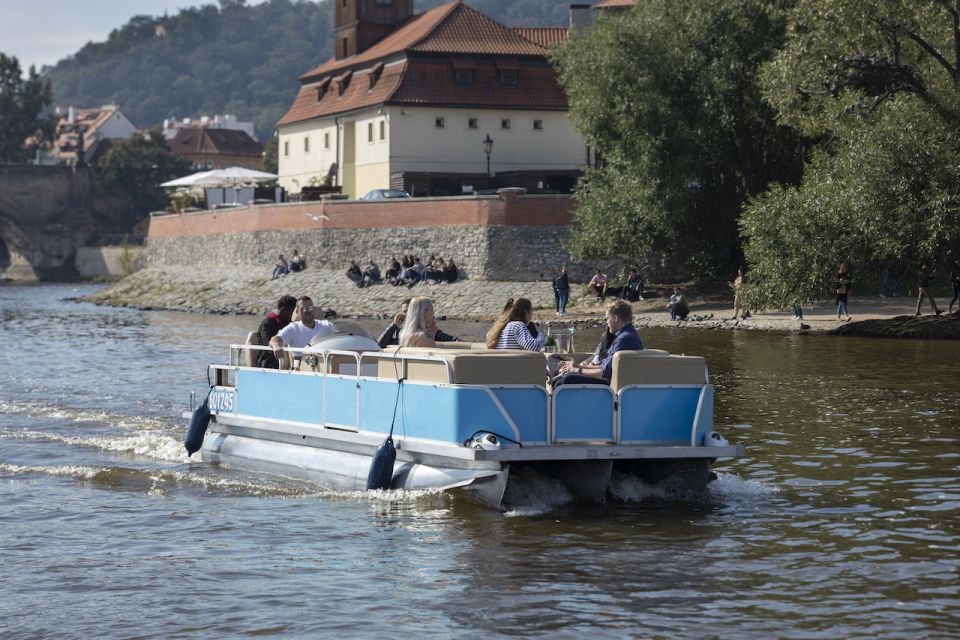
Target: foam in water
(33,409)
(530,493)
(151,445)
(729,486)
(70,471)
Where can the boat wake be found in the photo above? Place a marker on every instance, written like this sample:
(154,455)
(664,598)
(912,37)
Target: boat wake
(65,414)
(165,481)
(151,445)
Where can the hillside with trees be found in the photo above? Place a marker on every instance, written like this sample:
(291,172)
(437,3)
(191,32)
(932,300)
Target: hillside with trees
(227,58)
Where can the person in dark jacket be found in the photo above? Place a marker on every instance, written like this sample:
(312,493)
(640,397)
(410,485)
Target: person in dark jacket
(955,281)
(561,290)
(270,326)
(620,324)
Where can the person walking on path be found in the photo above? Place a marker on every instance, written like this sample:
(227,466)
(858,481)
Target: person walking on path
(955,281)
(739,285)
(843,286)
(923,283)
(561,290)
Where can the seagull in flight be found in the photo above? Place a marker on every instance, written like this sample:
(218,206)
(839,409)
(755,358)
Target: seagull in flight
(322,216)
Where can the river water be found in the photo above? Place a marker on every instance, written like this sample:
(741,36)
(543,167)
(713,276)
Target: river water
(841,522)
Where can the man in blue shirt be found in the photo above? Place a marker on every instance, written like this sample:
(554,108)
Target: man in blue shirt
(620,324)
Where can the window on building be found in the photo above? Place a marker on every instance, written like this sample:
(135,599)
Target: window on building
(505,123)
(508,77)
(383,129)
(286,148)
(472,123)
(463,76)
(326,141)
(343,50)
(306,144)
(439,123)
(538,125)
(369,132)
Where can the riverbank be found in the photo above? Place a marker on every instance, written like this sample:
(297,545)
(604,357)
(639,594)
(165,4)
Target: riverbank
(250,291)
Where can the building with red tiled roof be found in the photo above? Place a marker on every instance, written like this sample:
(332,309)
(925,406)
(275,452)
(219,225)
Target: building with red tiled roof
(217,148)
(82,135)
(408,101)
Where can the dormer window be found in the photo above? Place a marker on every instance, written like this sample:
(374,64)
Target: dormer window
(464,71)
(508,72)
(322,88)
(508,77)
(375,72)
(343,82)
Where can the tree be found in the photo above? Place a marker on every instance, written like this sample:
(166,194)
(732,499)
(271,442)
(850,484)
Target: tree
(668,93)
(270,151)
(22,103)
(878,86)
(139,165)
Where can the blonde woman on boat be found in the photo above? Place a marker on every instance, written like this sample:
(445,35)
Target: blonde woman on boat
(416,331)
(510,330)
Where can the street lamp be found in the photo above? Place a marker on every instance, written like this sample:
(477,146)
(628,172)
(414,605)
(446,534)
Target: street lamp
(488,149)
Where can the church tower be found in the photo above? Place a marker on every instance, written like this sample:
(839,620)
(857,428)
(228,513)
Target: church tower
(360,24)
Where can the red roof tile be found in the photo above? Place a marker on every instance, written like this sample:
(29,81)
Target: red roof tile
(544,36)
(357,94)
(466,30)
(230,142)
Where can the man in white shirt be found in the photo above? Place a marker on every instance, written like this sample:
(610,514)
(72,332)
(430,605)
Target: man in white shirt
(298,334)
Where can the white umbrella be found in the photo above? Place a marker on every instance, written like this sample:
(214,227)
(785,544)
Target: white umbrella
(232,176)
(192,180)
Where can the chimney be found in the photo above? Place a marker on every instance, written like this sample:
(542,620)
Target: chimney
(579,17)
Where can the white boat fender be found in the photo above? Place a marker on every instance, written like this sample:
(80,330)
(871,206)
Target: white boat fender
(199,422)
(714,439)
(381,469)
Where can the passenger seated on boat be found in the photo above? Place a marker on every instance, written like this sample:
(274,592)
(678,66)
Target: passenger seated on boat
(298,334)
(620,324)
(391,334)
(419,324)
(510,331)
(270,326)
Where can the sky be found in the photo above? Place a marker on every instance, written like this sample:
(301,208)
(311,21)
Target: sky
(39,32)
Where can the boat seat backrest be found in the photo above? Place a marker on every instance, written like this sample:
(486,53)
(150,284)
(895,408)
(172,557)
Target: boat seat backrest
(646,367)
(250,355)
(337,360)
(466,366)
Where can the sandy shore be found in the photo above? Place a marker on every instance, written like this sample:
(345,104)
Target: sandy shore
(250,291)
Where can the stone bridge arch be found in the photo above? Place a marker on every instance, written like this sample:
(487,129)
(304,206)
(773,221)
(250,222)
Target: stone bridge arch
(16,251)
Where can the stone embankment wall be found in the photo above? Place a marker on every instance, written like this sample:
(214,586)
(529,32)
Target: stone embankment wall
(509,236)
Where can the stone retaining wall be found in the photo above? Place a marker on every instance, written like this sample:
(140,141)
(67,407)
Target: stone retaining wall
(509,236)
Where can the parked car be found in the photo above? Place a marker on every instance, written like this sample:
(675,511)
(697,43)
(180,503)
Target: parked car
(384,194)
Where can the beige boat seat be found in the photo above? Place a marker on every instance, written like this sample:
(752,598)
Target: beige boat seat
(465,366)
(656,367)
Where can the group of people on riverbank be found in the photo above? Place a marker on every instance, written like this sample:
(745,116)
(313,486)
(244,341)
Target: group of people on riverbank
(408,271)
(282,266)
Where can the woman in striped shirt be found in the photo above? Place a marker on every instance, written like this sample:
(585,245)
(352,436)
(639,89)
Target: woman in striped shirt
(510,330)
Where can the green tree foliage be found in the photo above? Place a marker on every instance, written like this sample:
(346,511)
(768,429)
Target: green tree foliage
(22,106)
(139,165)
(877,83)
(269,163)
(668,93)
(231,58)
